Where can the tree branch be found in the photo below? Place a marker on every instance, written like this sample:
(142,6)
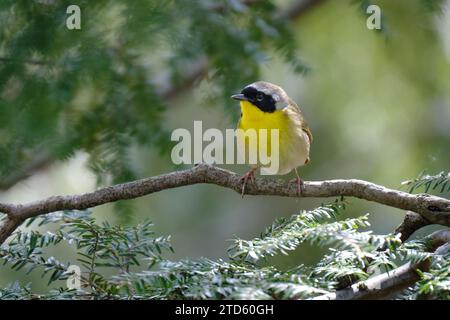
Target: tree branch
(297,8)
(435,209)
(8,228)
(387,284)
(381,286)
(411,223)
(220,7)
(39,161)
(27,61)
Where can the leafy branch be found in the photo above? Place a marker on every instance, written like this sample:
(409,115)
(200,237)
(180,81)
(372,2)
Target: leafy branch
(351,270)
(439,182)
(286,234)
(97,247)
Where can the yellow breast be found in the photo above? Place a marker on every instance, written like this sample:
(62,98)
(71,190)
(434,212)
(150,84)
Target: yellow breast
(293,143)
(255,119)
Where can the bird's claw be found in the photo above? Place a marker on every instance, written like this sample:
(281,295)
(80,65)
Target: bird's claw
(299,182)
(249,175)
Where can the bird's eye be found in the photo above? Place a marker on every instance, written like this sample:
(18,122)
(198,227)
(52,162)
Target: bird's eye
(259,96)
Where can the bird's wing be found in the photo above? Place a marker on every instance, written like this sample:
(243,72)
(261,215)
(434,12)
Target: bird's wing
(307,131)
(304,124)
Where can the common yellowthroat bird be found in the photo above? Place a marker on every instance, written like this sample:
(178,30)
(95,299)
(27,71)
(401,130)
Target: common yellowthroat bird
(267,106)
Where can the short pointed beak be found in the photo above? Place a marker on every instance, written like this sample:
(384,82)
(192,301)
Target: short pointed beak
(239,96)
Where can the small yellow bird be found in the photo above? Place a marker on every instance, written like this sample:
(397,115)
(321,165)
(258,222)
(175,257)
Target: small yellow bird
(267,106)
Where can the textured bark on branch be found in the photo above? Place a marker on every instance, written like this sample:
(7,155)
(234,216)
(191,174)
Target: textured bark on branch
(387,284)
(434,209)
(381,286)
(410,224)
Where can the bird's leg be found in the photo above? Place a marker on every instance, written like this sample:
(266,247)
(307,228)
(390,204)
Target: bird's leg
(298,181)
(249,175)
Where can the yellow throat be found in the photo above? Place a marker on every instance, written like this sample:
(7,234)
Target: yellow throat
(253,118)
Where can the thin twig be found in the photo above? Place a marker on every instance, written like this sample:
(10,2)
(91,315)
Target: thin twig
(27,61)
(221,7)
(40,160)
(298,8)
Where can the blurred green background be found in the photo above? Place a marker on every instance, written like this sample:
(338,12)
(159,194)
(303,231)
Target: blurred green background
(377,102)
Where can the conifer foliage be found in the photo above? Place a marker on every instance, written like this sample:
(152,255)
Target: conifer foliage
(134,263)
(102,89)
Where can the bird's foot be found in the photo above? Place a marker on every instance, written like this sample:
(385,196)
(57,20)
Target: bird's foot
(250,175)
(299,182)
